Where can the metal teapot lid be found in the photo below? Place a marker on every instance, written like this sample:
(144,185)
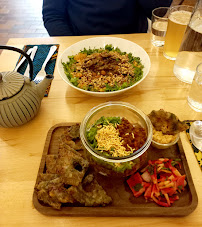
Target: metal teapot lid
(10,84)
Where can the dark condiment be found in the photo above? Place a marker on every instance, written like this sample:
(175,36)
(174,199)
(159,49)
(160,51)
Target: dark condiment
(134,136)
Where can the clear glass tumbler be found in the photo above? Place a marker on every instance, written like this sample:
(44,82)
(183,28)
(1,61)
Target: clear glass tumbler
(178,19)
(196,134)
(159,26)
(195,93)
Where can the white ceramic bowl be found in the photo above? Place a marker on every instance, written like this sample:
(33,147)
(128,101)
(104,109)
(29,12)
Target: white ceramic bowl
(100,42)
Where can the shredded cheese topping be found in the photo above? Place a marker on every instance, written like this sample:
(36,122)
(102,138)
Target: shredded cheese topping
(108,139)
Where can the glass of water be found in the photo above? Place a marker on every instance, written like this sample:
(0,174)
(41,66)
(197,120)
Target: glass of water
(195,93)
(190,52)
(159,26)
(196,134)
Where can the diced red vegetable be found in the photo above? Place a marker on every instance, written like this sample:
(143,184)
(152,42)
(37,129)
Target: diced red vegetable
(169,191)
(159,202)
(180,182)
(173,169)
(135,183)
(163,187)
(148,192)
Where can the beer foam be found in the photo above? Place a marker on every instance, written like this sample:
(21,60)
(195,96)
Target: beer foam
(180,17)
(197,25)
(160,25)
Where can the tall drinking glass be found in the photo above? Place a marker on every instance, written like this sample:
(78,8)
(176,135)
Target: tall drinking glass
(190,52)
(159,26)
(195,93)
(178,20)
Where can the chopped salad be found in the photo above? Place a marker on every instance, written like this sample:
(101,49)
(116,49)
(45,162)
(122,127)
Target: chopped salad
(103,70)
(116,137)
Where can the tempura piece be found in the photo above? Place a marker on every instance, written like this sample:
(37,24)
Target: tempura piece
(51,161)
(53,192)
(72,167)
(47,176)
(167,122)
(44,196)
(69,165)
(65,148)
(74,131)
(63,180)
(90,193)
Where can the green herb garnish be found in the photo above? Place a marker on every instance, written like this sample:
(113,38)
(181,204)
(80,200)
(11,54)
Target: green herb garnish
(90,134)
(137,187)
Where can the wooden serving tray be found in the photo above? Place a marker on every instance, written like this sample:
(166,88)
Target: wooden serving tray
(124,203)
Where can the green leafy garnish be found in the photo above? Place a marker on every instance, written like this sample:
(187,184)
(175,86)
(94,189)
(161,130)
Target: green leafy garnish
(180,187)
(175,162)
(150,169)
(137,187)
(90,134)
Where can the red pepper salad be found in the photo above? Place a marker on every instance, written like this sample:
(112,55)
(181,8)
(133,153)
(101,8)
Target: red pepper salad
(159,181)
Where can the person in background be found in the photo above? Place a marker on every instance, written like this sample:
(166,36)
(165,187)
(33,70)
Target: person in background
(98,17)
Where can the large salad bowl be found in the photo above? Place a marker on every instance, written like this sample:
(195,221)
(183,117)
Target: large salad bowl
(101,42)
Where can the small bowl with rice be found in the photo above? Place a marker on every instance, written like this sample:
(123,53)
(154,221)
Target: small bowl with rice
(163,141)
(166,128)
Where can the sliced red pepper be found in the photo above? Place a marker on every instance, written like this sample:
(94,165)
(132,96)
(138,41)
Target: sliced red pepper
(180,182)
(169,191)
(158,162)
(167,199)
(155,190)
(176,162)
(152,171)
(148,191)
(173,169)
(135,183)
(138,193)
(151,162)
(159,202)
(163,176)
(163,159)
(161,190)
(136,178)
(146,184)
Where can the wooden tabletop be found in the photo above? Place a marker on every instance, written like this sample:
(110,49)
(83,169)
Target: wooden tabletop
(21,148)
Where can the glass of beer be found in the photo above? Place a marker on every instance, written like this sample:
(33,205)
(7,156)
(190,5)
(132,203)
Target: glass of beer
(178,20)
(159,26)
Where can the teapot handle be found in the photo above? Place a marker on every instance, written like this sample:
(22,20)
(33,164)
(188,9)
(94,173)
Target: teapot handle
(23,53)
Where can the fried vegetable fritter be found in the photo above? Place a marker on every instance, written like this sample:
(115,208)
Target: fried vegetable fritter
(71,166)
(166,122)
(74,131)
(63,179)
(90,193)
(54,191)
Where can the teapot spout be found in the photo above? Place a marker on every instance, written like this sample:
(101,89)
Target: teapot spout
(43,85)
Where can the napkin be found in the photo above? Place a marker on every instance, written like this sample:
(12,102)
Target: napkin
(197,152)
(39,59)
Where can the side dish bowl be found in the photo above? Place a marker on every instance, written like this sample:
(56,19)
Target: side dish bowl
(116,166)
(165,145)
(100,42)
